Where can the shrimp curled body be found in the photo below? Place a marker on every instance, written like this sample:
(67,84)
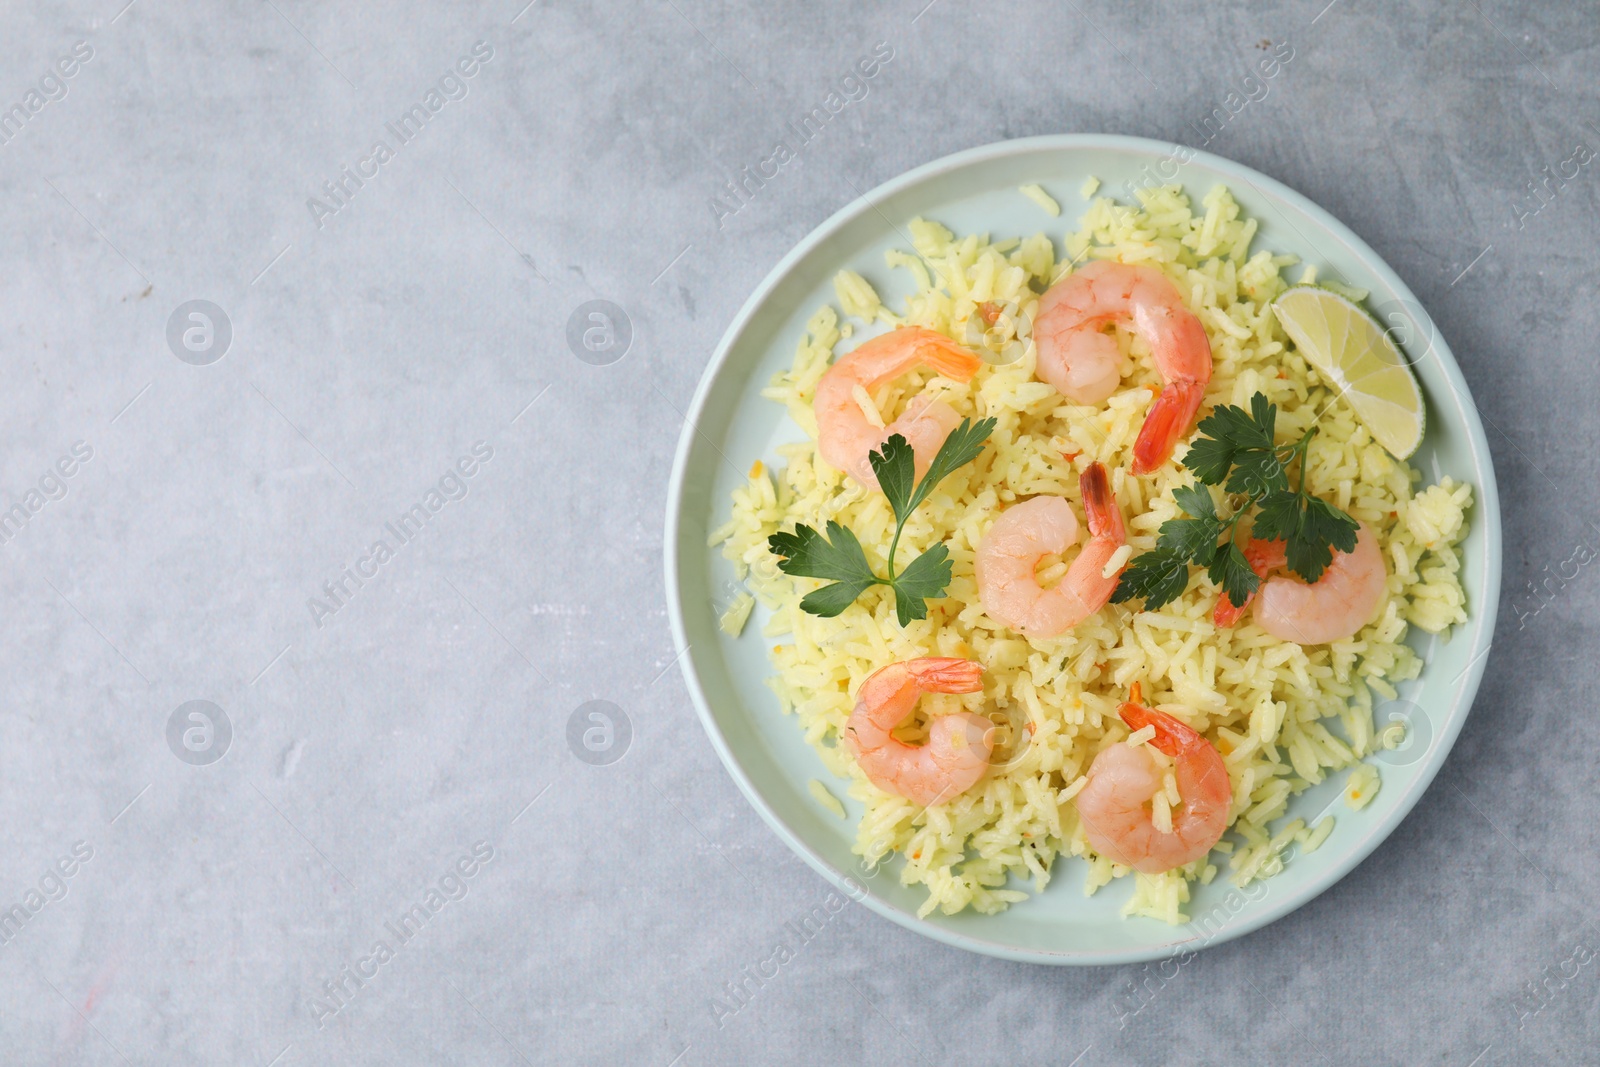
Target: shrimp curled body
(958,746)
(845,434)
(1026,533)
(1114,804)
(1084,364)
(1333,607)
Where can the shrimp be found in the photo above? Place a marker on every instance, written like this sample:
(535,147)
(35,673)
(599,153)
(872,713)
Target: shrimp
(1113,805)
(1333,607)
(1083,363)
(845,435)
(1263,558)
(957,751)
(1027,532)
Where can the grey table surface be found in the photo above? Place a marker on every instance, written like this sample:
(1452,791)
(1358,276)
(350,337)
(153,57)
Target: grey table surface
(410,737)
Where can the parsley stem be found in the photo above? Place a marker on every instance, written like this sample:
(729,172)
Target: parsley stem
(1303,448)
(1230,524)
(893,544)
(1299,450)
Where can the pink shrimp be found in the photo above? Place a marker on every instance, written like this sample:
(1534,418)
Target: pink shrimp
(1264,557)
(1114,804)
(957,751)
(1335,606)
(845,436)
(1083,363)
(1027,532)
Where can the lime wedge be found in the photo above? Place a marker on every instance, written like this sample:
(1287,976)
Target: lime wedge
(1356,357)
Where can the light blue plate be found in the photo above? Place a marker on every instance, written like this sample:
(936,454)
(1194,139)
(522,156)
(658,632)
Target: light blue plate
(730,426)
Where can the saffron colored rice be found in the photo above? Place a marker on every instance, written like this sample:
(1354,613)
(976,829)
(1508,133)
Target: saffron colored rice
(1283,716)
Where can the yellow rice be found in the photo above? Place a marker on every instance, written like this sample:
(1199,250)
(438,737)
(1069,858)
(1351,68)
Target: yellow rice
(1284,717)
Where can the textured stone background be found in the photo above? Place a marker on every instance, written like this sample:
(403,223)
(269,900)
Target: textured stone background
(368,354)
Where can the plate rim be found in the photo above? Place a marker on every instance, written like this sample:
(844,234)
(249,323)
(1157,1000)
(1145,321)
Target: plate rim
(1486,510)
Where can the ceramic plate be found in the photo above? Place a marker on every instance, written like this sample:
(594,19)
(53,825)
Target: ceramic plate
(730,425)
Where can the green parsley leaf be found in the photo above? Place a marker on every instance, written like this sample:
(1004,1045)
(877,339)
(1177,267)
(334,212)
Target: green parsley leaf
(1265,413)
(1323,528)
(1234,426)
(1279,516)
(896,470)
(1244,442)
(1159,576)
(1309,527)
(1195,501)
(1306,557)
(832,599)
(1238,450)
(1257,472)
(1232,571)
(811,555)
(1209,458)
(926,578)
(807,553)
(960,448)
(1226,432)
(1193,539)
(1339,529)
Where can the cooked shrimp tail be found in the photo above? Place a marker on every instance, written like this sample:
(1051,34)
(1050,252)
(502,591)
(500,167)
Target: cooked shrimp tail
(846,436)
(1105,518)
(1172,737)
(946,356)
(946,674)
(957,750)
(1168,420)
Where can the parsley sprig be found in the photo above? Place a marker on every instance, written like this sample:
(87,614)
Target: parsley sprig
(1238,451)
(808,553)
